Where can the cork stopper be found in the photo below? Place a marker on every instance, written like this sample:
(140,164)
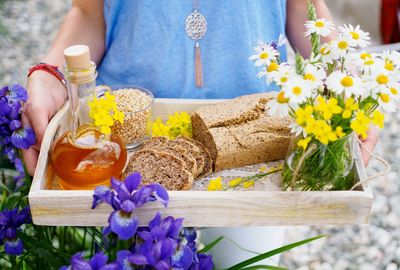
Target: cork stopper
(77,57)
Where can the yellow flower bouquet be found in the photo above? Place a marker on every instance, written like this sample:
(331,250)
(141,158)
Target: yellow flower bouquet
(332,97)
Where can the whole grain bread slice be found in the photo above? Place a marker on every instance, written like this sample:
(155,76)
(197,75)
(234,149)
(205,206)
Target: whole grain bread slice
(190,163)
(160,167)
(208,161)
(194,150)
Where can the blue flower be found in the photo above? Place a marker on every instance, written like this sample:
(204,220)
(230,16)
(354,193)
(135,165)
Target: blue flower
(10,222)
(124,199)
(14,93)
(97,262)
(13,135)
(23,137)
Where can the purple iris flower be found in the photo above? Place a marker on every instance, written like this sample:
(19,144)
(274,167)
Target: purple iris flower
(13,135)
(205,262)
(23,137)
(124,199)
(10,222)
(97,262)
(14,93)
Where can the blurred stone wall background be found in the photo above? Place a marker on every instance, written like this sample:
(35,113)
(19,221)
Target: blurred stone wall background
(27,29)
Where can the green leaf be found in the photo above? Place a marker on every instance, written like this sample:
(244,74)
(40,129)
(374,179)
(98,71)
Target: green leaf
(211,245)
(299,64)
(271,253)
(311,12)
(270,267)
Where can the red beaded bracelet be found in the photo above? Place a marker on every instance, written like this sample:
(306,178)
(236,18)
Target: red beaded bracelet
(50,69)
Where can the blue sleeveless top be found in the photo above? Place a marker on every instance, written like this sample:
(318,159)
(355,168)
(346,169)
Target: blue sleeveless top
(146,45)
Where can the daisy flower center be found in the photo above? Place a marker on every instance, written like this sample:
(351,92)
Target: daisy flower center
(281,98)
(342,45)
(355,35)
(264,55)
(364,56)
(273,67)
(394,91)
(384,97)
(283,79)
(319,24)
(347,81)
(389,66)
(369,62)
(296,90)
(309,76)
(324,51)
(382,79)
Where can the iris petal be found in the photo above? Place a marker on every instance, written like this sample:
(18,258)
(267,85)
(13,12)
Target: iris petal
(124,224)
(161,194)
(98,260)
(16,93)
(132,181)
(183,258)
(127,206)
(14,247)
(23,138)
(138,259)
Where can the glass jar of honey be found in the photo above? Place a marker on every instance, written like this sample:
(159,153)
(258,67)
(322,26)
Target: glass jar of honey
(84,157)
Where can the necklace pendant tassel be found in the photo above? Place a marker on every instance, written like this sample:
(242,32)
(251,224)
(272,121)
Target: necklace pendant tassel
(198,67)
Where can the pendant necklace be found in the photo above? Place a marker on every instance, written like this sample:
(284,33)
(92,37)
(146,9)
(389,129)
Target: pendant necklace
(196,28)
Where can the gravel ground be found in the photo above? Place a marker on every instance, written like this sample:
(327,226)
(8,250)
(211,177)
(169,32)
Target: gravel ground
(26,31)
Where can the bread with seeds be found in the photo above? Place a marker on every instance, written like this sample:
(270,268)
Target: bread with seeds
(160,167)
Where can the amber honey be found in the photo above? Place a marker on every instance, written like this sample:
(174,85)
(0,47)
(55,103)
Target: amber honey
(87,160)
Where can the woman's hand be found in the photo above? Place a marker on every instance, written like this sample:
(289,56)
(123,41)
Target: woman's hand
(369,144)
(46,95)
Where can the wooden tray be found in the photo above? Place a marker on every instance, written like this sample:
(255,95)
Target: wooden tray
(51,206)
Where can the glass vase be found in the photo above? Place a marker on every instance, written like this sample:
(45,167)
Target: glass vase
(319,166)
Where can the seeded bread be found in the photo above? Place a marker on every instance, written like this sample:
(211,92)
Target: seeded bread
(190,163)
(193,150)
(240,132)
(204,153)
(160,167)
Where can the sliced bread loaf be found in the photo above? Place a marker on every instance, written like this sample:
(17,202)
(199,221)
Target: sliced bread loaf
(240,132)
(160,167)
(205,154)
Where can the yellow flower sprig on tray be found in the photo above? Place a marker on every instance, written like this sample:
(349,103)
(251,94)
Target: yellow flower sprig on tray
(178,124)
(246,182)
(104,112)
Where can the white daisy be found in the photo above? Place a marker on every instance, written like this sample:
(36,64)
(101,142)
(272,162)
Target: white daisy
(279,105)
(340,47)
(297,129)
(381,81)
(321,26)
(297,89)
(282,75)
(264,54)
(314,75)
(387,103)
(339,82)
(391,60)
(363,61)
(359,37)
(268,71)
(325,53)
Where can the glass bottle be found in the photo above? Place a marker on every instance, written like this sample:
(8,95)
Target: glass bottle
(84,157)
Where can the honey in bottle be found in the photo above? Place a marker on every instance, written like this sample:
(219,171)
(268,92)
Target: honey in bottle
(83,157)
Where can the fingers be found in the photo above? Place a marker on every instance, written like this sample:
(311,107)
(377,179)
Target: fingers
(30,157)
(368,144)
(36,118)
